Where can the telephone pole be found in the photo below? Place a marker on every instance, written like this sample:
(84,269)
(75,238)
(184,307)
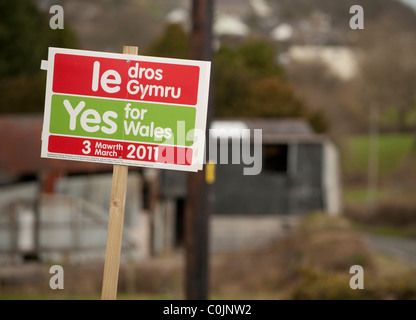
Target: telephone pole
(197,208)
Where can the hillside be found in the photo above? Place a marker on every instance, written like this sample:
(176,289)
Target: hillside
(107,25)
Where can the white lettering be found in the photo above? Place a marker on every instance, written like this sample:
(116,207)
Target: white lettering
(95,75)
(134,71)
(357,20)
(57,20)
(156,89)
(110,77)
(159,75)
(144,90)
(73,113)
(357,280)
(133,89)
(85,120)
(57,280)
(106,118)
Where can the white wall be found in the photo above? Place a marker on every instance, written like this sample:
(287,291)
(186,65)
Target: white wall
(332,179)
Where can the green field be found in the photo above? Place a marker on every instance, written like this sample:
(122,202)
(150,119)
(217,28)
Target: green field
(396,168)
(393,149)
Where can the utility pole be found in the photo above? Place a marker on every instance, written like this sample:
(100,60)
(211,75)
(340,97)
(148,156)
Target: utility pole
(197,207)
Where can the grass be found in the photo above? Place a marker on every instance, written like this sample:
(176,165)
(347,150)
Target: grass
(392,150)
(383,230)
(391,116)
(394,196)
(65,296)
(361,195)
(313,262)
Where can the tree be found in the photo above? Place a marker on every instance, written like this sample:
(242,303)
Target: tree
(173,43)
(25,36)
(249,83)
(388,73)
(326,94)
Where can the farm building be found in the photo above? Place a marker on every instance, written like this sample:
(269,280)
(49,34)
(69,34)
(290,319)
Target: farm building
(299,174)
(57,210)
(54,210)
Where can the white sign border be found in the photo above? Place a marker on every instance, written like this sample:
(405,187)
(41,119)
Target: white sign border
(200,119)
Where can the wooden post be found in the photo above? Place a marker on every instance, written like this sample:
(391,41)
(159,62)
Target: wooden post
(198,207)
(115,223)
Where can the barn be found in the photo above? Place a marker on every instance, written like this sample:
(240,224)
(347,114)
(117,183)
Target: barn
(55,210)
(299,174)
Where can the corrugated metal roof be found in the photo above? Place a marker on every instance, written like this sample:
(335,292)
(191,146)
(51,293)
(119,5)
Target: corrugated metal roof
(20,146)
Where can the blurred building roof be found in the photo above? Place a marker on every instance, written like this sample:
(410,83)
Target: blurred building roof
(226,24)
(341,61)
(20,146)
(273,130)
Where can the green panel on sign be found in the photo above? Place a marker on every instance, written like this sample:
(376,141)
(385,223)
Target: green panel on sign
(121,120)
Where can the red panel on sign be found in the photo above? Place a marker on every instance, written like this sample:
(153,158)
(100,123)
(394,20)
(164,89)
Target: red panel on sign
(120,150)
(126,79)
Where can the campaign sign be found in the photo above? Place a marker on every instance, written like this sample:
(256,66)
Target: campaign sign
(125,109)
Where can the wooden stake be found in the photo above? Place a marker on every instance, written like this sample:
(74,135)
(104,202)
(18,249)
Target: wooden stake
(115,223)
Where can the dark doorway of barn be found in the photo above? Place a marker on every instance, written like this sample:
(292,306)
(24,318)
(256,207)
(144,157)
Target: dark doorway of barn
(180,223)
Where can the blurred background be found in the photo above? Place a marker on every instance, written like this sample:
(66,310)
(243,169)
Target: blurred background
(337,108)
